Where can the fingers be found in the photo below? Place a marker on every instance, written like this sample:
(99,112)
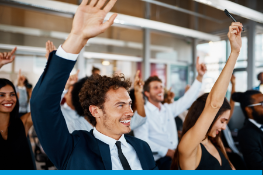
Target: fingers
(1,55)
(77,72)
(84,2)
(92,3)
(13,51)
(108,23)
(137,74)
(100,4)
(109,6)
(170,89)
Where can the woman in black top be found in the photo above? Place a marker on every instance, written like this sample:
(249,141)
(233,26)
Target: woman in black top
(14,148)
(201,147)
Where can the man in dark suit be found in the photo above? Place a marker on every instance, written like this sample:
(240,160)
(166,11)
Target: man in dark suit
(251,135)
(105,101)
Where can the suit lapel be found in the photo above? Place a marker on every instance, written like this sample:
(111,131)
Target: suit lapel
(255,127)
(139,152)
(104,152)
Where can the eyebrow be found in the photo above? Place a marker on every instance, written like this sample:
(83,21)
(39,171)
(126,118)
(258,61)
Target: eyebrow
(122,103)
(6,92)
(225,119)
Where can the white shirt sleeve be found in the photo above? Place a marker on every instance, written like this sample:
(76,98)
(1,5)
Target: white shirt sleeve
(137,120)
(142,133)
(68,56)
(187,100)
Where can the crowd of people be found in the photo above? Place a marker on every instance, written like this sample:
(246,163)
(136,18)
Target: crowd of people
(108,123)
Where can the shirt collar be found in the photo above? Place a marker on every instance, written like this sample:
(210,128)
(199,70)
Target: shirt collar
(152,107)
(255,123)
(108,140)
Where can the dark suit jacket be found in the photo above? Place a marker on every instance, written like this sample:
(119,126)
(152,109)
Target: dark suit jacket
(251,144)
(79,150)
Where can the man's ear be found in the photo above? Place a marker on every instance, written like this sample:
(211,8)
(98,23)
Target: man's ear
(147,94)
(95,111)
(249,112)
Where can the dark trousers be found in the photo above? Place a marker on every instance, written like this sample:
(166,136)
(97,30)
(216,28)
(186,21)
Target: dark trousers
(164,163)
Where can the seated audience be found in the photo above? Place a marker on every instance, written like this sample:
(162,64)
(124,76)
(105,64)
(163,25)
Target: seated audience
(14,147)
(232,151)
(160,131)
(250,136)
(105,101)
(201,147)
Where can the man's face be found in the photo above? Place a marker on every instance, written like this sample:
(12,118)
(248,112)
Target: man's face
(257,111)
(156,93)
(97,72)
(115,118)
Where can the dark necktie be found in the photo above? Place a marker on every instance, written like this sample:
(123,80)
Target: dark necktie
(123,159)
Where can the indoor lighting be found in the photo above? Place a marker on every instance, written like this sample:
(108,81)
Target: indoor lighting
(234,8)
(122,20)
(105,63)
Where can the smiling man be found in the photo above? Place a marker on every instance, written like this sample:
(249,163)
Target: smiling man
(160,131)
(105,101)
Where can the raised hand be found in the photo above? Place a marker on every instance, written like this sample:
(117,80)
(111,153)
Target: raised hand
(234,36)
(201,69)
(138,83)
(88,23)
(170,95)
(72,80)
(7,57)
(21,79)
(233,79)
(49,48)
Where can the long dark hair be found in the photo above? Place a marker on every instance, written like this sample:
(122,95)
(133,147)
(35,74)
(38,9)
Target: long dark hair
(14,114)
(193,114)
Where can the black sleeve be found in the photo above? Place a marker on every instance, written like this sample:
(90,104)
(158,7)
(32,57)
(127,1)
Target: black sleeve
(47,117)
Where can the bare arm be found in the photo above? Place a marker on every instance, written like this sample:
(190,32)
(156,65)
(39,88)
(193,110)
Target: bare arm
(190,141)
(232,103)
(27,121)
(138,88)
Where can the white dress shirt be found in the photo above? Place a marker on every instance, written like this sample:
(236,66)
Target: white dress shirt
(160,131)
(255,123)
(126,148)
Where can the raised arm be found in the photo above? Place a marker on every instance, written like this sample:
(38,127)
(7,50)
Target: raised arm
(190,96)
(139,117)
(215,99)
(47,117)
(232,103)
(7,57)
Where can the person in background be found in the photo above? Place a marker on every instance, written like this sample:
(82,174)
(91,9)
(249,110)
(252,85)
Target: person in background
(201,147)
(232,151)
(95,71)
(160,131)
(22,94)
(260,86)
(105,101)
(250,136)
(14,148)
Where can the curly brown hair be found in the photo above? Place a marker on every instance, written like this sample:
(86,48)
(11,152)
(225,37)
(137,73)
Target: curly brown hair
(146,86)
(94,92)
